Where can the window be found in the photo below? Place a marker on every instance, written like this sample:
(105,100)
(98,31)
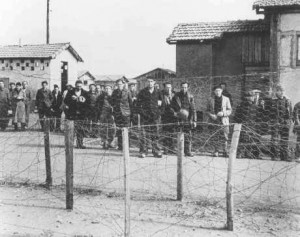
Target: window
(18,64)
(42,60)
(22,61)
(23,68)
(42,68)
(32,60)
(27,64)
(11,61)
(11,68)
(298,51)
(47,64)
(2,61)
(32,68)
(85,82)
(6,65)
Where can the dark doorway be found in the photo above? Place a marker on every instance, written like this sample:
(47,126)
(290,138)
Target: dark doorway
(64,75)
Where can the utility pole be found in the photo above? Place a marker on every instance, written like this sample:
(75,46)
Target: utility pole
(48,30)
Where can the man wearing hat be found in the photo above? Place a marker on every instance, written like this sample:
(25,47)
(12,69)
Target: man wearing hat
(121,103)
(107,122)
(148,103)
(77,101)
(281,118)
(219,110)
(247,113)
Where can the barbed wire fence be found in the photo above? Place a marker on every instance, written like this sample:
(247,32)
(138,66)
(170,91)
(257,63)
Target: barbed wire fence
(119,189)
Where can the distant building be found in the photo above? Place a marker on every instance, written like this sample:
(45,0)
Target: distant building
(87,78)
(244,47)
(55,63)
(159,74)
(108,79)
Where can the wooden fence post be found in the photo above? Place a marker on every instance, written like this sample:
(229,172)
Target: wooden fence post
(69,141)
(126,180)
(180,155)
(229,186)
(47,152)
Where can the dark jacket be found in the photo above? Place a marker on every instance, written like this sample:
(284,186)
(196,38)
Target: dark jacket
(167,113)
(57,101)
(44,99)
(77,107)
(147,104)
(281,111)
(121,102)
(187,102)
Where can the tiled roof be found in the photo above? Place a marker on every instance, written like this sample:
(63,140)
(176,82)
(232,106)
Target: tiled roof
(214,30)
(37,51)
(275,3)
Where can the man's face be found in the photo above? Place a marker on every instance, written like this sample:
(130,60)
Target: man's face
(24,84)
(156,86)
(132,87)
(151,83)
(279,93)
(108,90)
(92,88)
(168,88)
(120,85)
(69,87)
(56,89)
(184,88)
(98,88)
(78,86)
(218,92)
(12,86)
(45,85)
(19,87)
(1,84)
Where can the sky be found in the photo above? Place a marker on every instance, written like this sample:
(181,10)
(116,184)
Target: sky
(125,37)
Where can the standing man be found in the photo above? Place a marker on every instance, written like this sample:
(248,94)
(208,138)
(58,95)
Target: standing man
(183,105)
(43,102)
(27,101)
(56,109)
(98,89)
(4,106)
(19,97)
(134,113)
(219,110)
(148,102)
(77,101)
(93,112)
(168,119)
(107,122)
(63,107)
(281,118)
(296,130)
(225,92)
(121,103)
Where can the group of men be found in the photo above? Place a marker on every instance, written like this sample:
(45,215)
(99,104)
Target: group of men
(106,111)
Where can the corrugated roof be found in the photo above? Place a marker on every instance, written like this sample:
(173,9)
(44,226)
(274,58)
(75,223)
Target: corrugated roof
(275,3)
(37,51)
(159,68)
(214,30)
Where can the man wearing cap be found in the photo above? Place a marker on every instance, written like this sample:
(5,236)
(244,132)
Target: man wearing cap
(56,109)
(4,106)
(77,101)
(121,103)
(148,103)
(219,110)
(181,102)
(281,118)
(248,113)
(43,102)
(93,112)
(107,122)
(27,101)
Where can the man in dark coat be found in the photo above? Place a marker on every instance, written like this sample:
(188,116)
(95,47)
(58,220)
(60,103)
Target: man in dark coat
(296,130)
(43,102)
(134,112)
(93,113)
(4,106)
(182,102)
(121,103)
(148,103)
(281,118)
(56,108)
(77,101)
(168,119)
(27,101)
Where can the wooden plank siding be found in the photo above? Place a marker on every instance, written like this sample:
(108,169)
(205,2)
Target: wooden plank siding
(256,50)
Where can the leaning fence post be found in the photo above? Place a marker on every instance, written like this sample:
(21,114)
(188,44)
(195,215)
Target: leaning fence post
(232,157)
(69,140)
(180,155)
(126,180)
(47,152)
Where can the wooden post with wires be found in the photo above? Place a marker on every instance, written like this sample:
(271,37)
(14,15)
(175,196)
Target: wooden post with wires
(180,155)
(229,186)
(47,23)
(69,141)
(47,152)
(126,180)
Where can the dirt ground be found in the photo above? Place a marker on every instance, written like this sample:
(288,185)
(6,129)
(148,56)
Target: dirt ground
(266,193)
